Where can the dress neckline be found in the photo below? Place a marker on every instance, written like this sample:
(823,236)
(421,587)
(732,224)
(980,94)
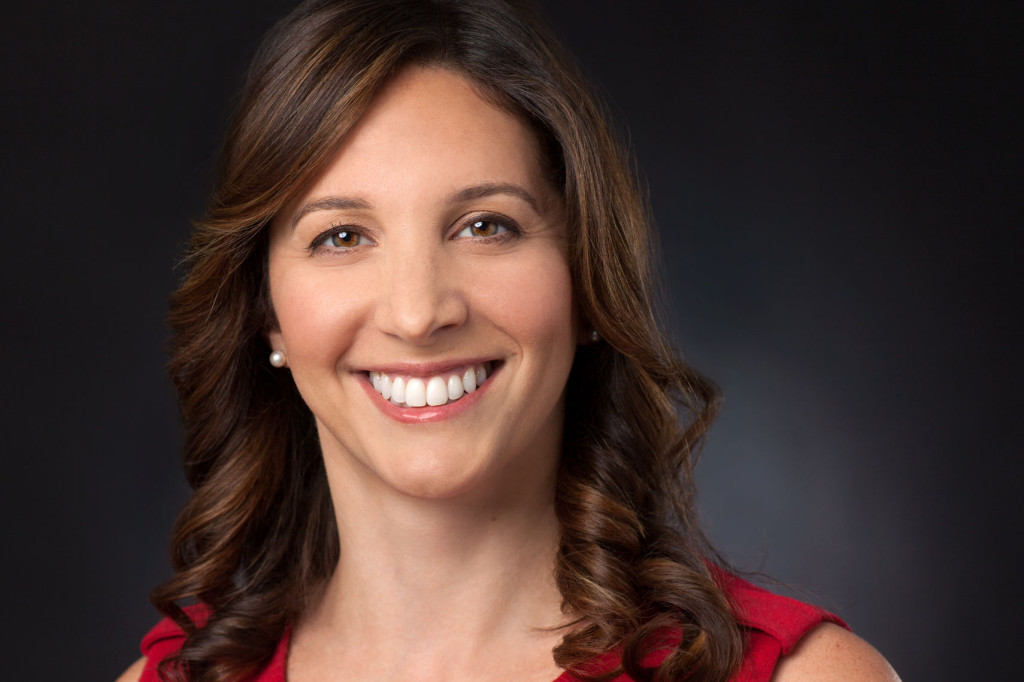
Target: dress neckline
(276,670)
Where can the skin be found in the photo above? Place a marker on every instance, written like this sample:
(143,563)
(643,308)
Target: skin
(448,528)
(134,672)
(827,654)
(831,654)
(417,286)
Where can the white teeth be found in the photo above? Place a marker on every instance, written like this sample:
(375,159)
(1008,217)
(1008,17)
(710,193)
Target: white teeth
(455,389)
(434,391)
(437,392)
(415,393)
(398,390)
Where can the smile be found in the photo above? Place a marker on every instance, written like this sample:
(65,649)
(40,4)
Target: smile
(433,391)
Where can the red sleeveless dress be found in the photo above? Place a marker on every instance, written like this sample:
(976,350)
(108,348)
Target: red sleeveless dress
(772,624)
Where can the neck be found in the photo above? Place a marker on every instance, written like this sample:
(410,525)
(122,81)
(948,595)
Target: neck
(408,563)
(451,580)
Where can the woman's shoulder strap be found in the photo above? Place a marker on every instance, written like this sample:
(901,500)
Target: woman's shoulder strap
(165,639)
(774,625)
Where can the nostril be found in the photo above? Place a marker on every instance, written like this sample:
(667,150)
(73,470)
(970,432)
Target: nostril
(417,312)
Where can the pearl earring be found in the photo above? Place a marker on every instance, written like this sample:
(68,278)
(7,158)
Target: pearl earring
(594,336)
(278,359)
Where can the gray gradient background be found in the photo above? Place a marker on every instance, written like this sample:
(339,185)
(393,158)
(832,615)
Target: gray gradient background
(835,185)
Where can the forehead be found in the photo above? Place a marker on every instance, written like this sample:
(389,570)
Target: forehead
(432,126)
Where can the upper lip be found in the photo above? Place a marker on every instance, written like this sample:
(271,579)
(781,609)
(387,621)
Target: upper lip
(426,368)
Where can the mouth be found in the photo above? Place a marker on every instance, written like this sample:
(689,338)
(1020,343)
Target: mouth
(433,390)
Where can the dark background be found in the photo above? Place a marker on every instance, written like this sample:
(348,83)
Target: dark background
(835,185)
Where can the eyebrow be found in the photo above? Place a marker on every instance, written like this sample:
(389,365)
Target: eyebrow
(488,189)
(328,204)
(480,191)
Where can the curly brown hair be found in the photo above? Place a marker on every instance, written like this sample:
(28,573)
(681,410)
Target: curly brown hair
(258,537)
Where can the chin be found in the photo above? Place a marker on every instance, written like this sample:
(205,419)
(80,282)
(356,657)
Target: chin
(434,477)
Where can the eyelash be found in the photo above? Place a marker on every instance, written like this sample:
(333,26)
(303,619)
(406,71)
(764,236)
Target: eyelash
(511,231)
(320,242)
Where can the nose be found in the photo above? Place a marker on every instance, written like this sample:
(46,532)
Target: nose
(420,295)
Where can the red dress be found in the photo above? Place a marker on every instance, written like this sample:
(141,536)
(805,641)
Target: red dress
(772,624)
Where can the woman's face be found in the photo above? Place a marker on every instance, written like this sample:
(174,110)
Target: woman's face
(430,252)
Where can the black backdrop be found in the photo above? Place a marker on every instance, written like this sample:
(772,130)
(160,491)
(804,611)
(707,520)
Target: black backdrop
(835,186)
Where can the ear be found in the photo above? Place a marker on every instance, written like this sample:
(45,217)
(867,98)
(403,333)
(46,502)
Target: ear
(275,339)
(584,329)
(278,357)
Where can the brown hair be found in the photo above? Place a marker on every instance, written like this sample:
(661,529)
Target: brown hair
(258,537)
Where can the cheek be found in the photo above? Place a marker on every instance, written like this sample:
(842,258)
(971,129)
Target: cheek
(316,315)
(532,300)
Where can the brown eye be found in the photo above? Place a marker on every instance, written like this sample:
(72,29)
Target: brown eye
(338,239)
(483,228)
(344,239)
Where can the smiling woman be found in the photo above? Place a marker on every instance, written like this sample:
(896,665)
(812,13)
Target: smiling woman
(450,285)
(433,429)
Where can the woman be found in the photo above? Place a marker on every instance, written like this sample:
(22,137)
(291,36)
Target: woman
(431,423)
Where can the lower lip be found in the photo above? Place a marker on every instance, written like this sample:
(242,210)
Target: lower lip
(428,414)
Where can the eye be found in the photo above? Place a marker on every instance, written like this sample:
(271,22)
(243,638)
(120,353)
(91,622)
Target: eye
(344,239)
(338,238)
(486,228)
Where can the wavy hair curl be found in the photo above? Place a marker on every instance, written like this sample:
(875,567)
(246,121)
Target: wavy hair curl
(258,537)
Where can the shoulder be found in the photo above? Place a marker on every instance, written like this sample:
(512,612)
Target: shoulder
(831,654)
(162,641)
(792,641)
(134,673)
(784,621)
(166,639)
